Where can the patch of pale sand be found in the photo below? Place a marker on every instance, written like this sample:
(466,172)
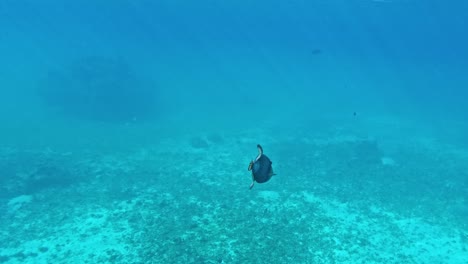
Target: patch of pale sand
(89,238)
(210,182)
(389,235)
(433,243)
(310,197)
(387,161)
(224,164)
(268,195)
(16,203)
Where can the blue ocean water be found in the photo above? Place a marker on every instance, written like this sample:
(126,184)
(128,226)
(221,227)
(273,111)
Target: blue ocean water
(127,128)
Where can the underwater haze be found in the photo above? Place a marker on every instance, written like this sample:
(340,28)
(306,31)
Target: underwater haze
(127,129)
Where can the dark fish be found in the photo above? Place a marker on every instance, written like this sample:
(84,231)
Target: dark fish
(261,168)
(316,51)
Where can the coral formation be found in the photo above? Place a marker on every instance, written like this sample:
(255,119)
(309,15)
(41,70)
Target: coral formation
(176,204)
(98,88)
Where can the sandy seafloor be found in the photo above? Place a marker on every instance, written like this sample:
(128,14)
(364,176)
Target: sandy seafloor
(340,196)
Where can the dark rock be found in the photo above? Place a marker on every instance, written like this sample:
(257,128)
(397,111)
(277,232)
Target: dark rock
(4,259)
(43,249)
(215,138)
(199,143)
(49,176)
(367,151)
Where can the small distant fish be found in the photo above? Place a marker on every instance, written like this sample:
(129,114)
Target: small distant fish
(316,51)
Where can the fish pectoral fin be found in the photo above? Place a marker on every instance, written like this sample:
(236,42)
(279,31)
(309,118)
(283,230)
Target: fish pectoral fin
(250,165)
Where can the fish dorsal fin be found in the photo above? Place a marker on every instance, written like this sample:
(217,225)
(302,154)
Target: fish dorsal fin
(260,152)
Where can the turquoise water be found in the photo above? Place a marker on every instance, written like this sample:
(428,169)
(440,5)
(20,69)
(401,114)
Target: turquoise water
(127,128)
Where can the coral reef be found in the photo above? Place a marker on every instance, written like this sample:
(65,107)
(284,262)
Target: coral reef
(98,88)
(171,203)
